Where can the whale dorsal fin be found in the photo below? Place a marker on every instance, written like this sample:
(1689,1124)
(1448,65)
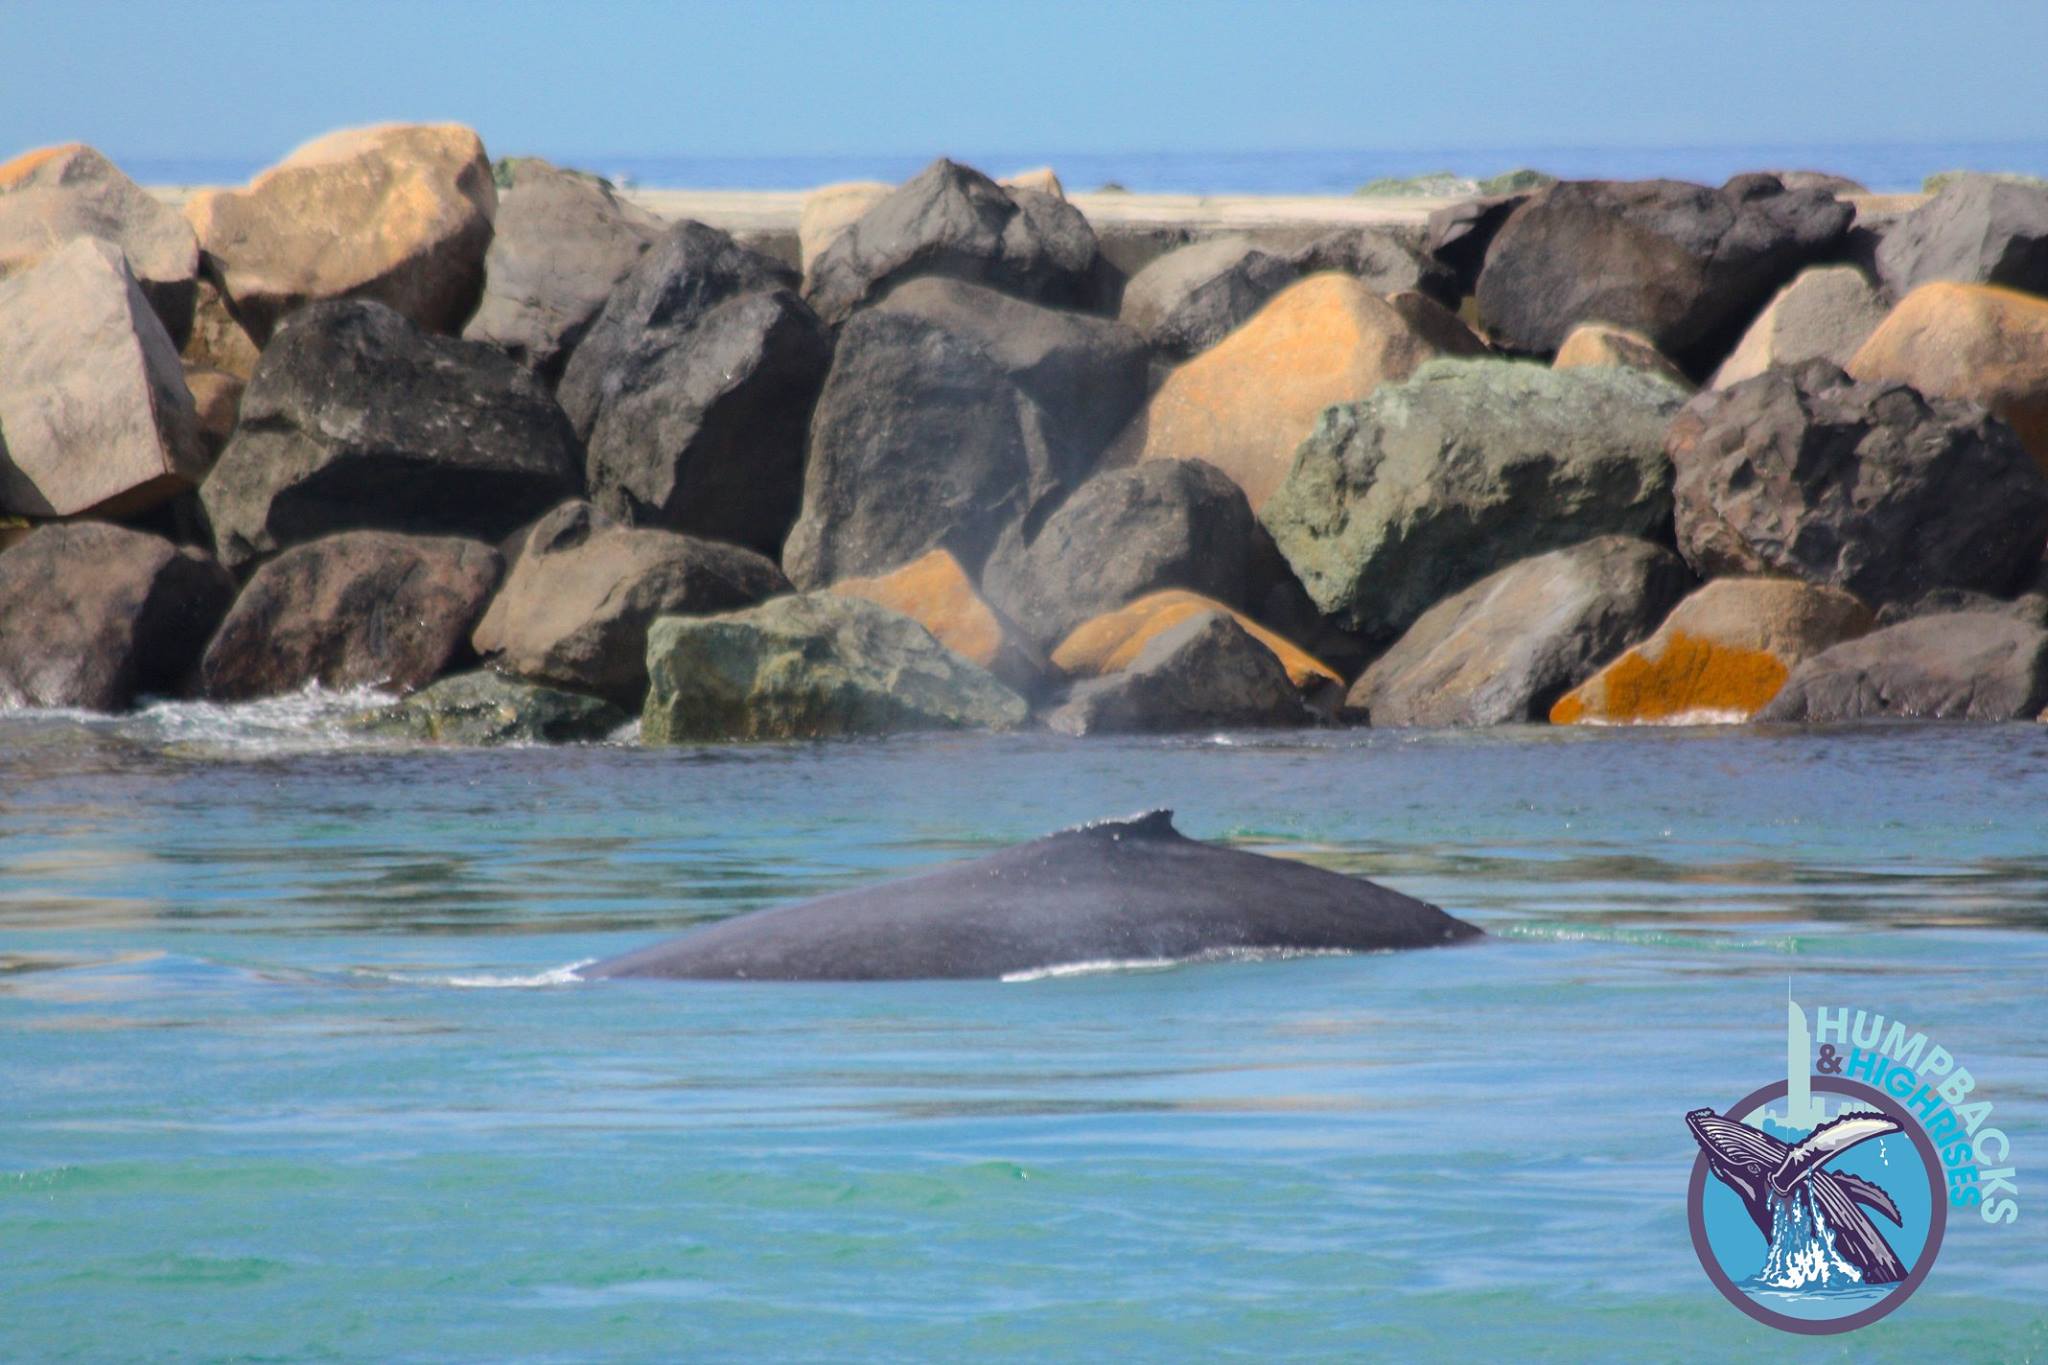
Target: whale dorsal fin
(1152,824)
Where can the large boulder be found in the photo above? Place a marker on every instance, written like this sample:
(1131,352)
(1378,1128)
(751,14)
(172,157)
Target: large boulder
(577,602)
(92,615)
(54,195)
(95,416)
(1189,299)
(400,213)
(936,593)
(686,274)
(1506,648)
(1110,642)
(1871,487)
(1204,672)
(1719,657)
(951,412)
(354,609)
(1825,314)
(1247,402)
(1596,343)
(1979,229)
(561,241)
(694,391)
(1382,260)
(1972,341)
(357,419)
(1458,235)
(956,222)
(1969,665)
(1086,375)
(1431,484)
(1685,265)
(483,707)
(1129,532)
(812,666)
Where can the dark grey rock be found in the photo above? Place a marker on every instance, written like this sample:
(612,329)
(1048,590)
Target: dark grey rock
(95,615)
(1386,262)
(1127,532)
(1204,672)
(1968,665)
(953,221)
(1979,229)
(684,275)
(1871,486)
(694,391)
(1684,265)
(562,241)
(356,419)
(354,609)
(950,413)
(1507,647)
(1459,234)
(1189,299)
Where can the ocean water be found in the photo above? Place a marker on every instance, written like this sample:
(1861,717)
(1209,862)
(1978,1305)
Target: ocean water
(1879,166)
(292,1066)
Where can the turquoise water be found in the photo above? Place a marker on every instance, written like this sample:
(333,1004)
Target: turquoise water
(271,1090)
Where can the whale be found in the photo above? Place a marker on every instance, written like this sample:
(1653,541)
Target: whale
(1114,892)
(1759,1168)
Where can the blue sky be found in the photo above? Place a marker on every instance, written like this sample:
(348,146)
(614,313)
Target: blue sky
(233,78)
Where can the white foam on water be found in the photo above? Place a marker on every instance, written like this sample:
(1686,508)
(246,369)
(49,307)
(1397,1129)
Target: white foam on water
(309,719)
(566,975)
(1099,966)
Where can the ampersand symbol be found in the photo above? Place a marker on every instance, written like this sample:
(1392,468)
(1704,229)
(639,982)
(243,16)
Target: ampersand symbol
(1829,1064)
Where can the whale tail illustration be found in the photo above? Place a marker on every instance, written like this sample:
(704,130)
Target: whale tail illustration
(1765,1173)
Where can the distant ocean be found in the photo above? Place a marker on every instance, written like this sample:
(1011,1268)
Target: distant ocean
(1880,166)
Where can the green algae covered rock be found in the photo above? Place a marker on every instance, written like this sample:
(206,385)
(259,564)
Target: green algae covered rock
(808,666)
(1427,486)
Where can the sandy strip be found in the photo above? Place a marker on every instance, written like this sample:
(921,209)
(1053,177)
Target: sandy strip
(779,210)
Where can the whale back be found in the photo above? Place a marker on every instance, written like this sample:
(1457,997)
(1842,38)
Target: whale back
(1132,890)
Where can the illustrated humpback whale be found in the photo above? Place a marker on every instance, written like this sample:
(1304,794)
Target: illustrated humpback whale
(1757,1166)
(1117,891)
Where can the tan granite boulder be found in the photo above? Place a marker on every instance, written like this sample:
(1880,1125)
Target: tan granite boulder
(830,210)
(1596,343)
(1247,402)
(54,195)
(400,213)
(1975,341)
(1720,656)
(94,412)
(217,341)
(1111,641)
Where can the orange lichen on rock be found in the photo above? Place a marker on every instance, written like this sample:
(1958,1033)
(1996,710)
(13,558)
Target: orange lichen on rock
(1691,677)
(23,166)
(936,593)
(1721,655)
(1108,643)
